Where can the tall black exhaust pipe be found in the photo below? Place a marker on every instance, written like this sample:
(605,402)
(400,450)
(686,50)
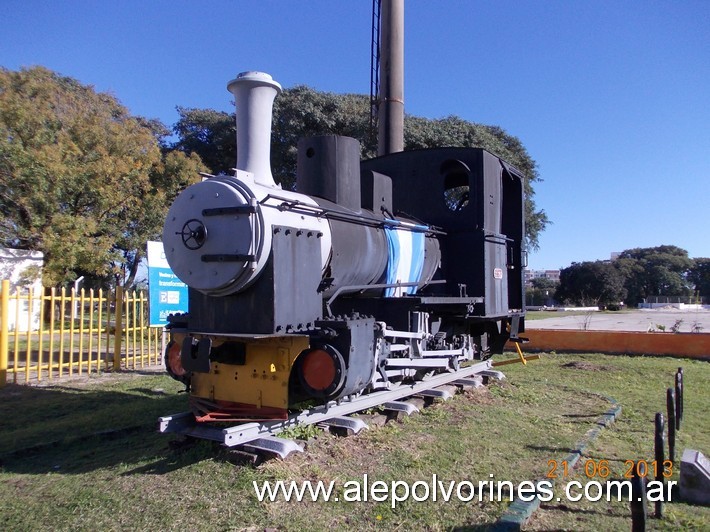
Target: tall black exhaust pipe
(390,114)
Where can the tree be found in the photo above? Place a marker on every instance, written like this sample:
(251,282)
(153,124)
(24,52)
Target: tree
(591,283)
(699,276)
(543,283)
(657,271)
(175,172)
(209,133)
(302,111)
(80,179)
(541,292)
(298,112)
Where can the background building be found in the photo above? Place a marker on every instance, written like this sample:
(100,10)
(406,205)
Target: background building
(552,275)
(24,270)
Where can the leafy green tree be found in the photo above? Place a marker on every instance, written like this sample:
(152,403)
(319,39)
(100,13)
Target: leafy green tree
(543,283)
(591,283)
(298,112)
(541,292)
(80,179)
(302,111)
(175,172)
(699,276)
(210,134)
(657,271)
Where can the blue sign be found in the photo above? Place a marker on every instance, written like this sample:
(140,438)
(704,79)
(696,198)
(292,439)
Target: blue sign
(167,294)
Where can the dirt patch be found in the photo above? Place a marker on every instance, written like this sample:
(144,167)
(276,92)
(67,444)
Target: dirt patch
(586,366)
(482,395)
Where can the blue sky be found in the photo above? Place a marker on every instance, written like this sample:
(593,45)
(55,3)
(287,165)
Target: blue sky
(611,98)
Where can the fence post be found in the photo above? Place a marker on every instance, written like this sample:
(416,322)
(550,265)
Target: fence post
(118,330)
(4,330)
(659,456)
(678,398)
(639,506)
(670,408)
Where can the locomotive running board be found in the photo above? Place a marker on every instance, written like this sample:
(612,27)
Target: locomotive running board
(184,423)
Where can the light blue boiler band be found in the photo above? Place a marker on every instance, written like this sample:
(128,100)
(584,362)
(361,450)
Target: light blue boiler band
(405,258)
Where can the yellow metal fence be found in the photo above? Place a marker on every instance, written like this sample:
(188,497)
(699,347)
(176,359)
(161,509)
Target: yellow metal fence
(60,333)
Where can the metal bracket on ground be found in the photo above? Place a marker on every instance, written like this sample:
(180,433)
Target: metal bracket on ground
(272,444)
(400,406)
(493,374)
(436,394)
(351,424)
(468,383)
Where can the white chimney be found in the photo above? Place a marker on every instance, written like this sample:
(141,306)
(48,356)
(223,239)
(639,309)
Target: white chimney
(254,93)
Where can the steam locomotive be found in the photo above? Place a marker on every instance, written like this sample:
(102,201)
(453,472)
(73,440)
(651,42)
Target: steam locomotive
(373,274)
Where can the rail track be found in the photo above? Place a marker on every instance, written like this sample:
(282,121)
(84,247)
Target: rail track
(262,436)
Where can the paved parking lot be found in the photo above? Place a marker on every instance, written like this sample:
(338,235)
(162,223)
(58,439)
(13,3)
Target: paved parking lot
(633,320)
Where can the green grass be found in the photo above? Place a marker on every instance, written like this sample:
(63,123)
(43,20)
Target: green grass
(544,314)
(74,409)
(61,470)
(639,385)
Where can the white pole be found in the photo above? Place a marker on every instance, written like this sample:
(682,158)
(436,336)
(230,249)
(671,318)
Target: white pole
(75,306)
